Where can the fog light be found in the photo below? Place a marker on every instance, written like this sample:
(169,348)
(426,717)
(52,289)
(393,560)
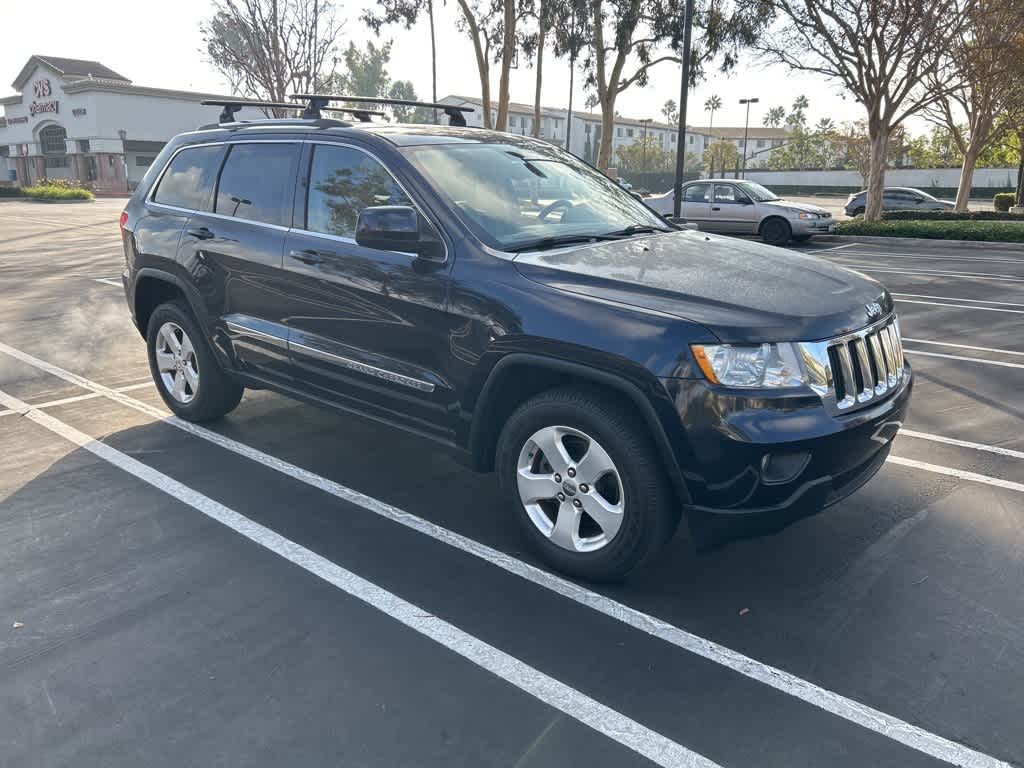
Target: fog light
(778,468)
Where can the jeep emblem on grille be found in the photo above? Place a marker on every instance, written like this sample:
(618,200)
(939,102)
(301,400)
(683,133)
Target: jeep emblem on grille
(874,310)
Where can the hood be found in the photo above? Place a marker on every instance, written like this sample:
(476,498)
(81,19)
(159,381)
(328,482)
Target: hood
(741,291)
(792,206)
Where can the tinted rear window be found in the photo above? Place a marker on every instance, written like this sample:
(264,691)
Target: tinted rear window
(188,182)
(257,182)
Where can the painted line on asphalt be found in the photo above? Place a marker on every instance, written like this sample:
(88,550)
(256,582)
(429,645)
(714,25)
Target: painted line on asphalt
(969,301)
(961,443)
(980,360)
(964,346)
(961,306)
(834,703)
(836,248)
(961,474)
(88,396)
(109,281)
(924,273)
(941,257)
(556,694)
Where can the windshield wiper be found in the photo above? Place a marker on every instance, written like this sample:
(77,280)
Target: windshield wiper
(553,241)
(635,229)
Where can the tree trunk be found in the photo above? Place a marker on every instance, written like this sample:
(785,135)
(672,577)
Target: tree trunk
(604,151)
(540,70)
(508,49)
(879,138)
(1020,170)
(963,190)
(483,66)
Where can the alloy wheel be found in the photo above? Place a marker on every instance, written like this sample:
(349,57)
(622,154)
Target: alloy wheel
(176,362)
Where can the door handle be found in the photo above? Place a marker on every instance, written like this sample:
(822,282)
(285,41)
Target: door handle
(310,256)
(202,233)
(715,208)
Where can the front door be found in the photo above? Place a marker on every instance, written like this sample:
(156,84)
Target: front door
(235,252)
(367,328)
(733,211)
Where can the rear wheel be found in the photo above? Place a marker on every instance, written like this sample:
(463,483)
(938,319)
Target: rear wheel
(776,231)
(188,377)
(585,483)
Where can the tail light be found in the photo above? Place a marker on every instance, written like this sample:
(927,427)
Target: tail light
(123,221)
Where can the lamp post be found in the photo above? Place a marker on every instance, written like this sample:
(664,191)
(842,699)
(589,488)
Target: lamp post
(746,125)
(684,89)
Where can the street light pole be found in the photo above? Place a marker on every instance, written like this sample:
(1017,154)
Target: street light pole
(684,90)
(572,71)
(746,125)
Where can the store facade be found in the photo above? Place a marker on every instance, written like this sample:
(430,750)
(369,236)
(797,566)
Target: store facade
(80,120)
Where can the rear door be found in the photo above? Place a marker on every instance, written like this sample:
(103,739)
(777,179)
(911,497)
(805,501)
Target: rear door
(367,328)
(696,205)
(234,250)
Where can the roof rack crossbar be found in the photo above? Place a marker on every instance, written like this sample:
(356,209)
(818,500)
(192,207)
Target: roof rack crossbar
(231,106)
(362,115)
(318,101)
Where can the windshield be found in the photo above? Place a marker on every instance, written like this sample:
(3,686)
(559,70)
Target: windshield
(756,191)
(516,197)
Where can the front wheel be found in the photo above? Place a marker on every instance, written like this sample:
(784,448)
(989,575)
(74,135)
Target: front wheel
(585,483)
(188,377)
(776,231)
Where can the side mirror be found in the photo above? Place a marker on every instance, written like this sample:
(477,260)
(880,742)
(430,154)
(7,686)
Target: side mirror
(398,228)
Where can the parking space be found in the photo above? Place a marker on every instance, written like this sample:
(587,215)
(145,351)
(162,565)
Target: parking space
(295,586)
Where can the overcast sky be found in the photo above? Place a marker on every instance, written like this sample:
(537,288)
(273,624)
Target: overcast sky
(158,44)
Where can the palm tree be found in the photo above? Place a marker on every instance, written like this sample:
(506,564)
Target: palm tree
(773,117)
(714,102)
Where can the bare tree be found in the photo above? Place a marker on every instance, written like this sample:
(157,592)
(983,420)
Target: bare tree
(983,96)
(627,35)
(880,50)
(270,48)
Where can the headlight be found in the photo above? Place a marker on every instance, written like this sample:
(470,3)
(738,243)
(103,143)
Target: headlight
(763,365)
(804,215)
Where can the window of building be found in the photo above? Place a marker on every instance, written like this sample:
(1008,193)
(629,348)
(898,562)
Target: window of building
(761,143)
(673,138)
(256,182)
(629,132)
(83,146)
(144,161)
(189,179)
(52,140)
(342,182)
(57,162)
(691,139)
(586,128)
(618,132)
(776,142)
(5,151)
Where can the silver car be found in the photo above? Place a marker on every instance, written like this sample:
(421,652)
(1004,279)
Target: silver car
(737,207)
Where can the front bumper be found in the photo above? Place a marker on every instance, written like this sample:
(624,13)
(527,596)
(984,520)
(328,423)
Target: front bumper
(753,465)
(803,227)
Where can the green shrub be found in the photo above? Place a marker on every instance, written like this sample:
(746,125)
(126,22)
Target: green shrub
(49,192)
(1003,201)
(992,231)
(11,192)
(951,216)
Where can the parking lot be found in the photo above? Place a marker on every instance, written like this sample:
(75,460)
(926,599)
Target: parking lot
(293,586)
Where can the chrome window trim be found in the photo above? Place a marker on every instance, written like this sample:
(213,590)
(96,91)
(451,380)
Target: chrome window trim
(394,178)
(364,368)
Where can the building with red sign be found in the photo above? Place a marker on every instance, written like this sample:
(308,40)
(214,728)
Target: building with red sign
(81,120)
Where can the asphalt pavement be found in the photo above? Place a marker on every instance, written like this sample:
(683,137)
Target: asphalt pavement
(293,586)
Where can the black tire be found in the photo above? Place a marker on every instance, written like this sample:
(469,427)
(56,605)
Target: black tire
(650,509)
(217,394)
(776,231)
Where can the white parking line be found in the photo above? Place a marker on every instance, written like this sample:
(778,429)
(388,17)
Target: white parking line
(931,273)
(961,306)
(951,298)
(962,474)
(904,432)
(980,360)
(603,719)
(80,398)
(836,248)
(929,256)
(853,711)
(109,281)
(963,346)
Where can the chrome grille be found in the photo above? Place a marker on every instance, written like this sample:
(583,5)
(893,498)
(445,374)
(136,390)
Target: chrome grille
(857,369)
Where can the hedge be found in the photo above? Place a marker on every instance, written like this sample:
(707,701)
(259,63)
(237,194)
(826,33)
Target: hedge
(993,231)
(11,192)
(50,192)
(951,216)
(1003,201)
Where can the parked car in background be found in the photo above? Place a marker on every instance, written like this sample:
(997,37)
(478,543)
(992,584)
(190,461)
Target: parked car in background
(898,199)
(738,207)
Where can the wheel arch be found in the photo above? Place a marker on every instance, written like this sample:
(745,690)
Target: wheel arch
(152,287)
(519,376)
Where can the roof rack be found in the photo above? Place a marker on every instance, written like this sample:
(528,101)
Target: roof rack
(317,102)
(231,106)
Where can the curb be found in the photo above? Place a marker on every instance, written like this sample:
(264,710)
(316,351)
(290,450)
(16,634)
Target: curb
(874,240)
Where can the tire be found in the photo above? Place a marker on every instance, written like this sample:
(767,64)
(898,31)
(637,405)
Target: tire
(801,238)
(206,392)
(637,484)
(776,231)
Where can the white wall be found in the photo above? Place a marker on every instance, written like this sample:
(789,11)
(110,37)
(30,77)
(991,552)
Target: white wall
(922,178)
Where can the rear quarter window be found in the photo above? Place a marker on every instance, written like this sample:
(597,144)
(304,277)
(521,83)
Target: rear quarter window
(189,179)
